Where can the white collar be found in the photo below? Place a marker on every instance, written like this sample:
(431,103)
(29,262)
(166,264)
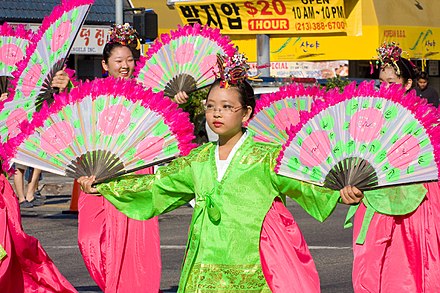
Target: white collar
(222,165)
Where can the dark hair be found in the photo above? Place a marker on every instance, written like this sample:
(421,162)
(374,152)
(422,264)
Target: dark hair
(423,75)
(407,70)
(246,93)
(109,47)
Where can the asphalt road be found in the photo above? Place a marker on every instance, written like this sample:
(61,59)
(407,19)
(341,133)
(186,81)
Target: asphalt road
(329,243)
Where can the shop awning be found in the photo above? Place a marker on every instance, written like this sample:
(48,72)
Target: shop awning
(413,24)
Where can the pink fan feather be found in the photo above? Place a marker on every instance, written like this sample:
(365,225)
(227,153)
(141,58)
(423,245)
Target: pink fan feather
(104,127)
(277,112)
(366,138)
(44,57)
(13,44)
(183,60)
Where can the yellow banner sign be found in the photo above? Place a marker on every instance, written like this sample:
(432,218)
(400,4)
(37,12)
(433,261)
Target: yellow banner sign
(267,16)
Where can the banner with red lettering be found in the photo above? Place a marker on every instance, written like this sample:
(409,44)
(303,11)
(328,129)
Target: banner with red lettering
(267,16)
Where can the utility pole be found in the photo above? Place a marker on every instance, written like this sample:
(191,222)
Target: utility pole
(263,55)
(119,12)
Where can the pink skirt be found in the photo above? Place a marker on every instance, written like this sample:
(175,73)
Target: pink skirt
(26,267)
(400,253)
(121,254)
(285,258)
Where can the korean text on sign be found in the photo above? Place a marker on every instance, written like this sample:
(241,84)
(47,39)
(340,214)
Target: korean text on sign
(274,16)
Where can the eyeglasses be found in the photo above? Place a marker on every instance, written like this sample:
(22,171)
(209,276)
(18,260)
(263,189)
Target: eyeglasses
(225,109)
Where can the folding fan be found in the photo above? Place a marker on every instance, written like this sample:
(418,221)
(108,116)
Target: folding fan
(13,44)
(183,60)
(104,127)
(364,138)
(44,57)
(277,112)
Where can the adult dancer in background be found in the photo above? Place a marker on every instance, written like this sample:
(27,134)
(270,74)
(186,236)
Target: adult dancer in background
(400,253)
(121,254)
(24,265)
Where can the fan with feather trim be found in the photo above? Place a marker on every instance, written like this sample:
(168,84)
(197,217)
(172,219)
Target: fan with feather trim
(183,60)
(13,44)
(44,57)
(276,113)
(105,128)
(366,138)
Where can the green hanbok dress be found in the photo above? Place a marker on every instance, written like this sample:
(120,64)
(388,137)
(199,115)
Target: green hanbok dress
(223,243)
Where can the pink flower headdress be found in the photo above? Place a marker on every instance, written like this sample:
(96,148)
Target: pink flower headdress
(388,55)
(233,70)
(125,34)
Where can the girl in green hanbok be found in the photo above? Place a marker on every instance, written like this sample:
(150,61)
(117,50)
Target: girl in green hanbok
(242,238)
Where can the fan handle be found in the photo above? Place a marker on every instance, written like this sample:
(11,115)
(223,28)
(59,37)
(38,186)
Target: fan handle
(123,172)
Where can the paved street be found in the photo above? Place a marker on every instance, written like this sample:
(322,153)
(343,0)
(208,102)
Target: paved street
(330,244)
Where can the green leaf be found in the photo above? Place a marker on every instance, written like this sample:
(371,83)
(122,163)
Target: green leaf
(327,122)
(316,174)
(56,162)
(375,146)
(30,146)
(363,148)
(69,152)
(395,138)
(329,160)
(74,15)
(352,107)
(294,164)
(410,127)
(379,105)
(171,149)
(338,149)
(80,140)
(425,159)
(305,170)
(424,142)
(393,175)
(270,112)
(366,104)
(391,112)
(382,155)
(350,147)
(121,139)
(99,104)
(160,129)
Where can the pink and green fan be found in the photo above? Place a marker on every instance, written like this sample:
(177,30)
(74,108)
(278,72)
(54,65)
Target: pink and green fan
(44,57)
(366,138)
(183,60)
(277,112)
(105,127)
(13,44)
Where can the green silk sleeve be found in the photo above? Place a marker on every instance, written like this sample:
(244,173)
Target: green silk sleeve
(142,197)
(319,202)
(396,200)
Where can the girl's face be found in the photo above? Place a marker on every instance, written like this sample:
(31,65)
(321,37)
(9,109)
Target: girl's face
(389,76)
(224,112)
(120,63)
(422,83)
